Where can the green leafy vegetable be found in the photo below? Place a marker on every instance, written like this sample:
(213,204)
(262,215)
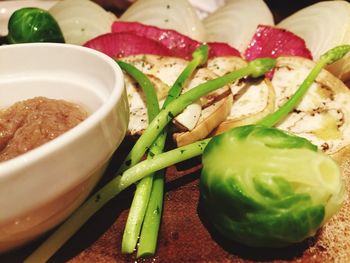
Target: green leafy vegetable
(31,24)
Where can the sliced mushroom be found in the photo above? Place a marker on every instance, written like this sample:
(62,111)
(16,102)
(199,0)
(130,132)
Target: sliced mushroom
(215,106)
(210,118)
(188,119)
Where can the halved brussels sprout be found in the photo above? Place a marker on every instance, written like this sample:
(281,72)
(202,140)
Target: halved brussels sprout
(265,188)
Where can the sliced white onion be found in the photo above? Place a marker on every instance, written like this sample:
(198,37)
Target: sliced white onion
(170,14)
(323,26)
(81,20)
(236,21)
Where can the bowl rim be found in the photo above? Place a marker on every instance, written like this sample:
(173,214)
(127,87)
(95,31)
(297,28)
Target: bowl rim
(35,155)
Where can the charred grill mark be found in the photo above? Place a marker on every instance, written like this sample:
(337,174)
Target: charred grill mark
(210,99)
(341,119)
(324,147)
(326,92)
(288,68)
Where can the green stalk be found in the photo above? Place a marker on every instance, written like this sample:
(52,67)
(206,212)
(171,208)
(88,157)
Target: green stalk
(140,203)
(159,162)
(255,68)
(110,190)
(150,228)
(199,57)
(147,86)
(137,211)
(145,188)
(329,57)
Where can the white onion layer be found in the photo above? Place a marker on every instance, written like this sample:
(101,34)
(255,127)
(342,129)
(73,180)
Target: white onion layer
(169,14)
(81,20)
(236,21)
(323,26)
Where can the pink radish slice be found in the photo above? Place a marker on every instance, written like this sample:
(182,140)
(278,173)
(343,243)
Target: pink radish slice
(118,45)
(273,42)
(179,45)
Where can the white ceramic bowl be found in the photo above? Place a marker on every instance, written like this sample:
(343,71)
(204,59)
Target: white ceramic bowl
(40,188)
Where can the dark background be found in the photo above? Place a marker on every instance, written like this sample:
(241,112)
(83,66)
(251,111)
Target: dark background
(283,8)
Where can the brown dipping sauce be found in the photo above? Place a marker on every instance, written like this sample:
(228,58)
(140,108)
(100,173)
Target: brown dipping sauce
(30,123)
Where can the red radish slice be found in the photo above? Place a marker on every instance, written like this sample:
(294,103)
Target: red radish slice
(273,42)
(179,45)
(118,45)
(218,49)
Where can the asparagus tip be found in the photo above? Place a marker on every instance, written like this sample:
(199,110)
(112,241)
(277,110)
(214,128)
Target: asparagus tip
(335,54)
(202,53)
(260,66)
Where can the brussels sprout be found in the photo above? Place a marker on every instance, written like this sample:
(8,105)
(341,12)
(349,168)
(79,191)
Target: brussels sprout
(265,188)
(33,25)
